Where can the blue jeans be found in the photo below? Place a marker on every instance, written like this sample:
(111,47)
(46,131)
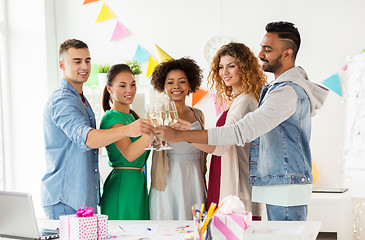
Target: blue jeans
(281,213)
(54,212)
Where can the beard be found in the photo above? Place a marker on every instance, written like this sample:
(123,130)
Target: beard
(273,66)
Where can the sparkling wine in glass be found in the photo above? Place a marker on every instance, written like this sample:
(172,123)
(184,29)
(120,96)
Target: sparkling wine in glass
(150,111)
(172,112)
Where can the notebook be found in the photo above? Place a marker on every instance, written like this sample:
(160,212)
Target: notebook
(17,218)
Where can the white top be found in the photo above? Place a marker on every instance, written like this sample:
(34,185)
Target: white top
(283,195)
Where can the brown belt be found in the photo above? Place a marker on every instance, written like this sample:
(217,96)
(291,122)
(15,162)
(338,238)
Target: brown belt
(133,168)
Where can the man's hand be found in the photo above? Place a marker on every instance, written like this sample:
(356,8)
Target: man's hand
(140,127)
(168,134)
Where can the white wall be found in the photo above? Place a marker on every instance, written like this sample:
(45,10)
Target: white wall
(330,30)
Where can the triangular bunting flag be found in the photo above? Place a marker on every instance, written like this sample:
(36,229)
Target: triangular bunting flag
(89,1)
(217,110)
(105,14)
(163,55)
(93,77)
(152,63)
(119,32)
(198,95)
(141,54)
(333,83)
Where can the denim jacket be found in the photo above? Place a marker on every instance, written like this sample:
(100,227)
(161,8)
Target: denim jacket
(282,155)
(280,151)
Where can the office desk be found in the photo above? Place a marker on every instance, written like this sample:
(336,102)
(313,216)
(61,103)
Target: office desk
(171,230)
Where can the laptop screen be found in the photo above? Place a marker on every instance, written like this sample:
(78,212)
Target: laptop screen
(17,216)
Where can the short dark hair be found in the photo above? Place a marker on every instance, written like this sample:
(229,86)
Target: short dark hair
(187,65)
(288,31)
(71,43)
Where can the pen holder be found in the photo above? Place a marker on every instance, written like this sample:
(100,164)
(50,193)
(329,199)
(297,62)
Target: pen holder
(206,235)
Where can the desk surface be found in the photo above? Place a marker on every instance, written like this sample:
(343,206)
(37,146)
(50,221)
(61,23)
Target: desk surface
(177,230)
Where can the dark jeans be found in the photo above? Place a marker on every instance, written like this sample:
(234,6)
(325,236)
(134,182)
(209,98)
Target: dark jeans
(54,212)
(280,213)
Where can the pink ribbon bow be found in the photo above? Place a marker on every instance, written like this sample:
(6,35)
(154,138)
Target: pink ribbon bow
(85,212)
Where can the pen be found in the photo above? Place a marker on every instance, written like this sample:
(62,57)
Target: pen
(121,228)
(201,211)
(196,223)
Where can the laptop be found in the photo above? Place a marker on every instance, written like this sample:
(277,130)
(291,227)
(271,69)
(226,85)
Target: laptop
(17,218)
(329,190)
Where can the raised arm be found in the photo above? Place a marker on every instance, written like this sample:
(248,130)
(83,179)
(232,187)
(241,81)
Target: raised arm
(172,135)
(185,125)
(98,138)
(131,151)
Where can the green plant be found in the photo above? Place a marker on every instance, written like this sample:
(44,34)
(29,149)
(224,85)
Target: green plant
(135,66)
(103,68)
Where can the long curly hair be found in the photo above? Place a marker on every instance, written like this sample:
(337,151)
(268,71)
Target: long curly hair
(189,66)
(253,77)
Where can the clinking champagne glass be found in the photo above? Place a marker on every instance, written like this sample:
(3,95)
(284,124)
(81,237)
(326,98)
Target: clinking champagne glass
(166,120)
(150,111)
(173,112)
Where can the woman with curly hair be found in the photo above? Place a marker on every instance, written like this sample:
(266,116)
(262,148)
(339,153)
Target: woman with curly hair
(237,79)
(177,181)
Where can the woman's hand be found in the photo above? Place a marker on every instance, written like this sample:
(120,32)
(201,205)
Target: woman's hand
(168,134)
(181,124)
(140,127)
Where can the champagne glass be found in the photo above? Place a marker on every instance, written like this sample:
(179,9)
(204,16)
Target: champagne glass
(150,111)
(173,112)
(165,120)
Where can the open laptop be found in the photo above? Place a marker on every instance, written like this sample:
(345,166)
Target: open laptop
(17,218)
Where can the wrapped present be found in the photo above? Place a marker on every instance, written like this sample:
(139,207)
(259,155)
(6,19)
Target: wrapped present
(84,225)
(231,220)
(230,226)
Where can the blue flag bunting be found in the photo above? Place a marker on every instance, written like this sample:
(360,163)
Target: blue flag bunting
(333,83)
(141,54)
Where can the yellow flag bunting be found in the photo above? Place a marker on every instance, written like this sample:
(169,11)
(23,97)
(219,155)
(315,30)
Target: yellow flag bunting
(105,14)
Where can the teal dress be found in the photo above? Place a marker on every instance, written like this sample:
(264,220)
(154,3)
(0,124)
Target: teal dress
(125,195)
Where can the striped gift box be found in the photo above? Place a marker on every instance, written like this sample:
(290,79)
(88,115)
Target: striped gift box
(230,226)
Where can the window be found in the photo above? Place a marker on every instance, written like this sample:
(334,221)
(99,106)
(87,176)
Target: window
(2,176)
(2,36)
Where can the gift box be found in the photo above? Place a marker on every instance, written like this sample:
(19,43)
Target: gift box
(230,226)
(84,227)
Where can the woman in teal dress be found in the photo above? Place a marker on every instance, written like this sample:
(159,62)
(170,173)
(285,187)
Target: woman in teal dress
(125,194)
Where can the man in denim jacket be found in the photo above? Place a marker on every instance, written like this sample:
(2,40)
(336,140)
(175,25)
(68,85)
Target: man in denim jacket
(72,140)
(280,129)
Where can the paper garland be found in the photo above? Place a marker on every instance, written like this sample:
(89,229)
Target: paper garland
(105,14)
(141,54)
(152,63)
(333,83)
(216,105)
(163,55)
(119,32)
(93,78)
(198,95)
(89,1)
